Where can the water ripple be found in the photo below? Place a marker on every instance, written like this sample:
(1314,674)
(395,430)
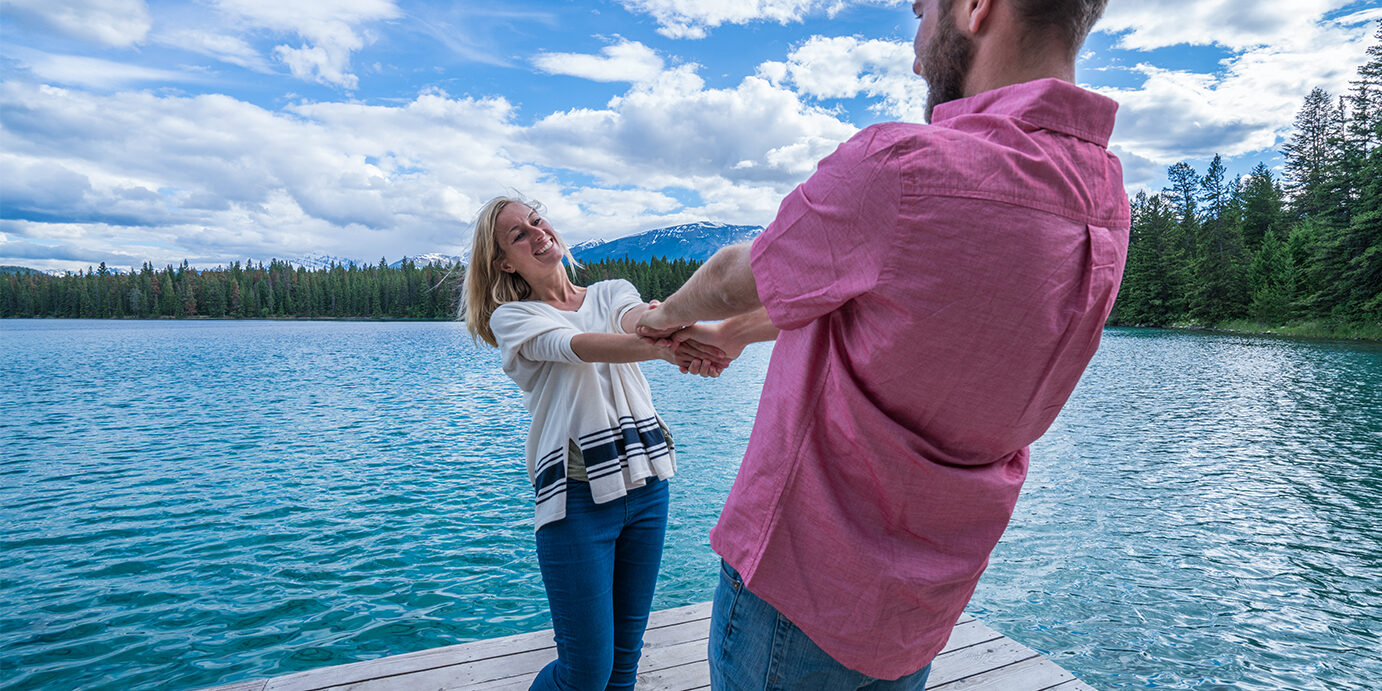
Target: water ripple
(191,503)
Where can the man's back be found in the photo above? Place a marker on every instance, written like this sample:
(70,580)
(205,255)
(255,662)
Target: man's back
(940,289)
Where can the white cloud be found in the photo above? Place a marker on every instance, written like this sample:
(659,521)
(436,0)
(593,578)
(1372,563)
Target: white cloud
(132,176)
(222,177)
(1230,23)
(213,178)
(663,133)
(847,67)
(616,208)
(232,49)
(330,30)
(626,61)
(1248,106)
(691,18)
(92,73)
(118,23)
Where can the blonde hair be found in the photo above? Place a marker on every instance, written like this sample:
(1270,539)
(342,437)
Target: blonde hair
(486,286)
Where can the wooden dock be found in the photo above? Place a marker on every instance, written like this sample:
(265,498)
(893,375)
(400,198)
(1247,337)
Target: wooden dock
(674,659)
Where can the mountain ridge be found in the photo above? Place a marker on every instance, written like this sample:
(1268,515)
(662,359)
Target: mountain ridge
(694,241)
(688,241)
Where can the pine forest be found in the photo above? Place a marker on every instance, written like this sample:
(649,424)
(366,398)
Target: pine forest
(1299,252)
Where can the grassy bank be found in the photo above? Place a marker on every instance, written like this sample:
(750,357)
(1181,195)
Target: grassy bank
(1306,329)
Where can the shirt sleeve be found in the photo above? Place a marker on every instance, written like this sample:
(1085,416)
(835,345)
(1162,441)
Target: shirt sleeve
(530,335)
(833,234)
(622,298)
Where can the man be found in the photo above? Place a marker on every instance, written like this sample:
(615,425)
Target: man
(939,290)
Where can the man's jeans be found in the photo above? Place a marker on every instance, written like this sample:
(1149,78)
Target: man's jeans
(599,565)
(752,647)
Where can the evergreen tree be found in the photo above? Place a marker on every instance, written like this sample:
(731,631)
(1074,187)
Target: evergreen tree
(1216,292)
(1305,245)
(1260,199)
(1366,127)
(1182,241)
(1310,157)
(1273,281)
(1147,296)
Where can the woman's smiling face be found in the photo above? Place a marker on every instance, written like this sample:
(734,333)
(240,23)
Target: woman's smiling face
(529,244)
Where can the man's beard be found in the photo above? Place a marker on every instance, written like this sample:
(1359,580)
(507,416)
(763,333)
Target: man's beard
(948,56)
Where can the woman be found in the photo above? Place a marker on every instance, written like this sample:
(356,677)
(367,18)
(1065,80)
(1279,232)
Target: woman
(598,455)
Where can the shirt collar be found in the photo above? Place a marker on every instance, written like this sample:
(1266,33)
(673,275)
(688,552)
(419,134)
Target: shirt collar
(1051,104)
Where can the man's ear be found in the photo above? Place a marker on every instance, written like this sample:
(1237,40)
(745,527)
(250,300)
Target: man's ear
(975,14)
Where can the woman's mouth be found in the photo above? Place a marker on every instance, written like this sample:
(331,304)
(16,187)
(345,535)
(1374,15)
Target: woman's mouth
(548,246)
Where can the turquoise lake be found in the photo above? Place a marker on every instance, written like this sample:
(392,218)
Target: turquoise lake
(188,503)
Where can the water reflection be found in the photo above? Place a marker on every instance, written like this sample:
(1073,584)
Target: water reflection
(1215,512)
(191,503)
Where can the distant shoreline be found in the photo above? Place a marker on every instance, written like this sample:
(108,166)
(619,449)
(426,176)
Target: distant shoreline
(1354,333)
(1358,333)
(203,318)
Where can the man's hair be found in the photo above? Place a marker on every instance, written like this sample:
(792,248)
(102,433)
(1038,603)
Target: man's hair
(1068,21)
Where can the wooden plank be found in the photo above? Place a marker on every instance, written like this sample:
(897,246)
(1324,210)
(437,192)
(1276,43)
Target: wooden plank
(674,659)
(669,646)
(977,659)
(692,675)
(967,634)
(518,683)
(671,657)
(1072,685)
(1032,674)
(671,637)
(460,676)
(662,617)
(664,626)
(406,663)
(252,685)
(676,633)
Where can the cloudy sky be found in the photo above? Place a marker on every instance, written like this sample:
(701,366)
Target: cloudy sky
(215,130)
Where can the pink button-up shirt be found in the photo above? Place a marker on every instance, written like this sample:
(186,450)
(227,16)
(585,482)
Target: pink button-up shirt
(940,290)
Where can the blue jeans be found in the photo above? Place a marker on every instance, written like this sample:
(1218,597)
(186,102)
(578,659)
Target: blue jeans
(752,646)
(600,565)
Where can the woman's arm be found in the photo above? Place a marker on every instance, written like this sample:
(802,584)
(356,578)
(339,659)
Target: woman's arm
(607,347)
(635,313)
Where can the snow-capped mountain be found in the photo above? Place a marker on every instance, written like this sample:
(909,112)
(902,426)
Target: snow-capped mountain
(689,241)
(26,271)
(321,261)
(433,258)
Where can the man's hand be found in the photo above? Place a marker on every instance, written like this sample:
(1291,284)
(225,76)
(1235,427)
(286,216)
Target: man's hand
(689,362)
(722,288)
(658,325)
(706,346)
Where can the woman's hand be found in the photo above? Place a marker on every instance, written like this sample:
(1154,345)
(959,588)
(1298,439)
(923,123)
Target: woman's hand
(703,349)
(688,361)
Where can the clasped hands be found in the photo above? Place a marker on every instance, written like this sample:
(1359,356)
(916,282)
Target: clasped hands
(696,348)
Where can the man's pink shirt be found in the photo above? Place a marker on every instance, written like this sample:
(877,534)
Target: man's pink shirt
(940,290)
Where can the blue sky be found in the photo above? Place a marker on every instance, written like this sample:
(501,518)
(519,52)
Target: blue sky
(216,130)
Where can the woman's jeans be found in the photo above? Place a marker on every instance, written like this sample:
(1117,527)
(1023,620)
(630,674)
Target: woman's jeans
(600,566)
(753,647)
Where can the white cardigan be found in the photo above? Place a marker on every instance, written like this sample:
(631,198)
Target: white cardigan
(605,407)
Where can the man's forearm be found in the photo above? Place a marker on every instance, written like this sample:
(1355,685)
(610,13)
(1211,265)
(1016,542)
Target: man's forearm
(750,327)
(723,287)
